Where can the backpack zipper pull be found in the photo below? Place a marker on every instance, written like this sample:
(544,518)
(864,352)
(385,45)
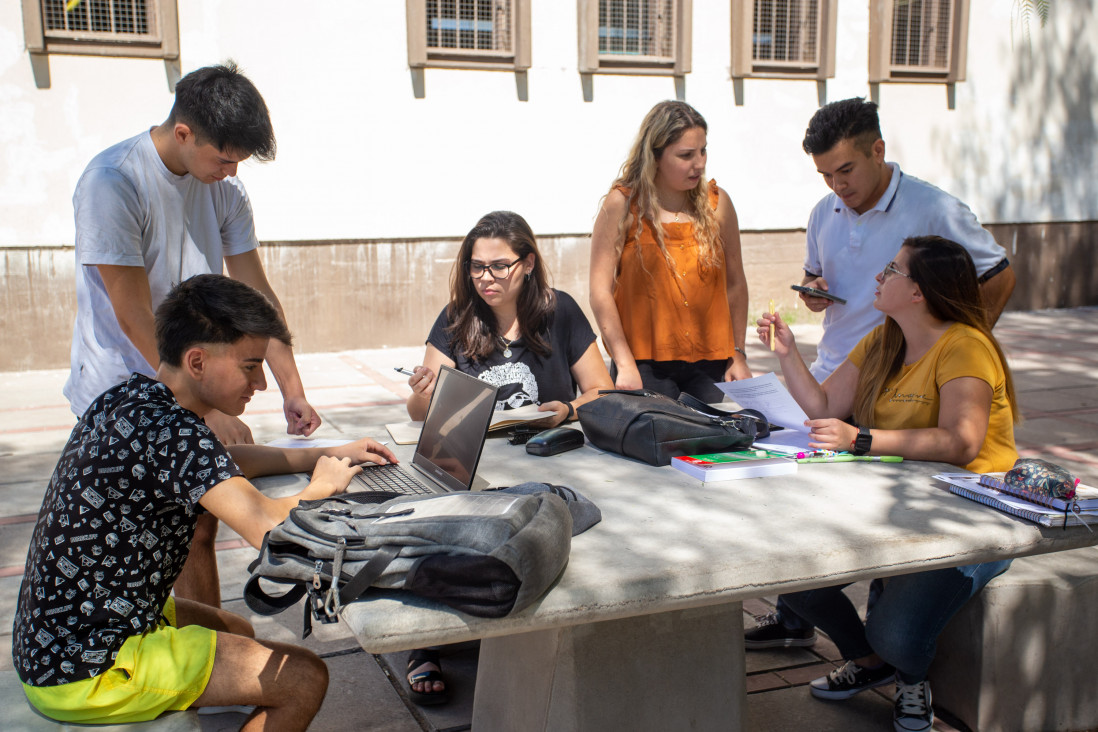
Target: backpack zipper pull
(317,568)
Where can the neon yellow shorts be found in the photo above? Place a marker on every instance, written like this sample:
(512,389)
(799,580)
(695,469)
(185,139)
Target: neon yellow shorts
(164,669)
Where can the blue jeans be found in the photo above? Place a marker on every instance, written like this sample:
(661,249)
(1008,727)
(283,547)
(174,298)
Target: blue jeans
(793,621)
(907,619)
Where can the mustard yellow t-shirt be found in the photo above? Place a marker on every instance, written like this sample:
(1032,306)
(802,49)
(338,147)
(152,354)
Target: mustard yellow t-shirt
(911,399)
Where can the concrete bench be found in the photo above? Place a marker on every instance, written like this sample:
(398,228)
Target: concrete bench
(20,715)
(1020,656)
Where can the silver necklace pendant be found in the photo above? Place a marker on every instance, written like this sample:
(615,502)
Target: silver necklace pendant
(507,352)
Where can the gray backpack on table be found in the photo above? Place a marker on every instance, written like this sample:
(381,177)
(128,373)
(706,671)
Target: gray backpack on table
(487,553)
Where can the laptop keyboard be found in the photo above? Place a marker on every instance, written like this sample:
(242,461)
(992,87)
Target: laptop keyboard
(391,479)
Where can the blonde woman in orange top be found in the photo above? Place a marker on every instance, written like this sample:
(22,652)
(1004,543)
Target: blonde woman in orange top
(667,283)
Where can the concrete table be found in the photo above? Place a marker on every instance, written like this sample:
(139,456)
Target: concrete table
(644,629)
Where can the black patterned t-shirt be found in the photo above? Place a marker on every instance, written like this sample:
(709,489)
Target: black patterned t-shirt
(114,531)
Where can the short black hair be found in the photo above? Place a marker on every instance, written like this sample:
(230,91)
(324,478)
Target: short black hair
(843,120)
(223,107)
(213,308)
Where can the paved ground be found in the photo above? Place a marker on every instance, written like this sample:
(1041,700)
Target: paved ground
(1054,355)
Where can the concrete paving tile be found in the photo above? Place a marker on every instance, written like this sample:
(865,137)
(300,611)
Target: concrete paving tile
(753,607)
(361,698)
(14,541)
(1067,399)
(764,682)
(23,498)
(793,708)
(801,675)
(769,659)
(827,649)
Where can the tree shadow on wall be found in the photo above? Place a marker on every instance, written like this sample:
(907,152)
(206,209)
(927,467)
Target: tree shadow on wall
(1045,169)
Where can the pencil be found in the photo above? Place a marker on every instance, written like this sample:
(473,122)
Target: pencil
(771,326)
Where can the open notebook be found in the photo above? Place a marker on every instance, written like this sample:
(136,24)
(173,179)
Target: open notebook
(407,433)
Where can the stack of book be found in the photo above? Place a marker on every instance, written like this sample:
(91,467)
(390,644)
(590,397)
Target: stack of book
(733,465)
(990,490)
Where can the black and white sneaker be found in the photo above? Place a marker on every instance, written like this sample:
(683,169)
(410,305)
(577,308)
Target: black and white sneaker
(850,679)
(913,711)
(771,632)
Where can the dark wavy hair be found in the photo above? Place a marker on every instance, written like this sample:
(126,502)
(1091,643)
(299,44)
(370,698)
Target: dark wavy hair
(945,274)
(223,107)
(473,324)
(213,308)
(843,120)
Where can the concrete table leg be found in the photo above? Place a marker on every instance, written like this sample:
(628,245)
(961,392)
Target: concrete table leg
(676,670)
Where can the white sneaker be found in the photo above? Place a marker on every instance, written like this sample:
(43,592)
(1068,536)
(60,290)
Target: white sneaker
(913,711)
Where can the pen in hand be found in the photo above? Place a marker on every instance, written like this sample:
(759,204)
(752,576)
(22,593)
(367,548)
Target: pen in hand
(402,370)
(771,326)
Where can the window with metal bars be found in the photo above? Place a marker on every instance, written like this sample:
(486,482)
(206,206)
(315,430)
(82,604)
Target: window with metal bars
(918,40)
(469,33)
(921,34)
(102,27)
(783,38)
(635,36)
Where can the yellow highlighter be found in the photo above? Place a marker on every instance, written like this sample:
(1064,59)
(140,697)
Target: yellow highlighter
(771,326)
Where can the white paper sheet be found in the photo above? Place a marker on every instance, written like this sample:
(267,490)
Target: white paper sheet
(768,395)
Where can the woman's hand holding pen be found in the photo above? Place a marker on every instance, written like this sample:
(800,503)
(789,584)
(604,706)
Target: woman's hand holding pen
(783,344)
(422,381)
(830,434)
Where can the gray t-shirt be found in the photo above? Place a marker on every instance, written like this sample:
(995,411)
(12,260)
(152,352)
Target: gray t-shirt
(132,211)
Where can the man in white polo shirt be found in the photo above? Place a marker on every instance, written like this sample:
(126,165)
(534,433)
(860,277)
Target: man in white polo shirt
(853,233)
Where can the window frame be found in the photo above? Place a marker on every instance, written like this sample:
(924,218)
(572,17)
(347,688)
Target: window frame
(881,68)
(745,66)
(164,45)
(592,62)
(420,55)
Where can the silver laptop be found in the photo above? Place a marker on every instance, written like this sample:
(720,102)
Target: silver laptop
(450,443)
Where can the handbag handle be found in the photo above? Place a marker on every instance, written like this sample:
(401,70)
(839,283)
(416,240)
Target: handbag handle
(762,424)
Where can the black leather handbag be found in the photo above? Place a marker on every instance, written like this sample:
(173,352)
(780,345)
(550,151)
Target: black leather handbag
(654,428)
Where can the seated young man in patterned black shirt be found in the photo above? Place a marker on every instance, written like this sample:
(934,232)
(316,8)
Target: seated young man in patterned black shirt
(97,638)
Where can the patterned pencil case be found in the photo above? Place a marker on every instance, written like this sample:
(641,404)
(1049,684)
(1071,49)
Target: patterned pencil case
(1043,478)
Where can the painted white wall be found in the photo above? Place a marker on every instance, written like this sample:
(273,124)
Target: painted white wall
(361,157)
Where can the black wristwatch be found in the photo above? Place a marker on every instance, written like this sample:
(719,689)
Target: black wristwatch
(571,411)
(863,443)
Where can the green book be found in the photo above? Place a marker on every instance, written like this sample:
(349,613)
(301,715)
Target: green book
(734,465)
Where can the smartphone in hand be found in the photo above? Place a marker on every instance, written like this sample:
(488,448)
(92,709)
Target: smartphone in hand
(813,292)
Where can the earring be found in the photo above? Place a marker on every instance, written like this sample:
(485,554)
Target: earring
(527,276)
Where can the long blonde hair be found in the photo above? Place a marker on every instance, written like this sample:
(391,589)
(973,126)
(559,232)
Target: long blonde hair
(664,125)
(945,274)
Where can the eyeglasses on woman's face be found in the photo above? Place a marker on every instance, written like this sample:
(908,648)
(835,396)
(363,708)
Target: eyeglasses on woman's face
(890,269)
(498,270)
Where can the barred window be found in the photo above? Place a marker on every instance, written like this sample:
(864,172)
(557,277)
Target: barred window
(635,36)
(918,40)
(469,33)
(783,38)
(102,27)
(921,35)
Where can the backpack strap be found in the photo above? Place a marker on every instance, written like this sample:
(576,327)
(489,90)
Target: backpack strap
(260,602)
(368,574)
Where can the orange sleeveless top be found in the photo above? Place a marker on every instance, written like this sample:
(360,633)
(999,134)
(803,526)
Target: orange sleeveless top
(668,317)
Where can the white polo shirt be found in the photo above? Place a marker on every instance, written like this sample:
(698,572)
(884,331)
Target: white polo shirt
(132,211)
(849,249)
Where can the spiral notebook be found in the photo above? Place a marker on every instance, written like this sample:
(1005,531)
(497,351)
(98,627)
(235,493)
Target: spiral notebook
(968,485)
(1085,496)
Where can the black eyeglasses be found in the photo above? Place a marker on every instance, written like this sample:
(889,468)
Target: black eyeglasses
(499,270)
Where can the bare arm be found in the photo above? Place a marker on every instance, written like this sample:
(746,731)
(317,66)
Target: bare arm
(591,375)
(962,426)
(996,292)
(260,460)
(735,285)
(301,418)
(131,299)
(604,266)
(833,398)
(251,514)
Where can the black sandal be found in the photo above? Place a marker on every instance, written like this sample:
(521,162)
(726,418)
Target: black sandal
(417,659)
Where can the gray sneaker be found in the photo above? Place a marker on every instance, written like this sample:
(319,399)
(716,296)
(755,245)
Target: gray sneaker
(771,632)
(913,711)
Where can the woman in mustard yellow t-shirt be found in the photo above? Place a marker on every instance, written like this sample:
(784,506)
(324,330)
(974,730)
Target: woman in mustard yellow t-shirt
(931,383)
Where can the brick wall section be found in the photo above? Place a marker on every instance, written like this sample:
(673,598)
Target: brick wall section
(368,294)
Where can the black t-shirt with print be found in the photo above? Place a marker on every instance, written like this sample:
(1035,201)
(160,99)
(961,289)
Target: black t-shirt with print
(114,531)
(525,377)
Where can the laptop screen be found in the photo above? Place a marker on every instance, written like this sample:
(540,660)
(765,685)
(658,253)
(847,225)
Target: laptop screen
(453,432)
